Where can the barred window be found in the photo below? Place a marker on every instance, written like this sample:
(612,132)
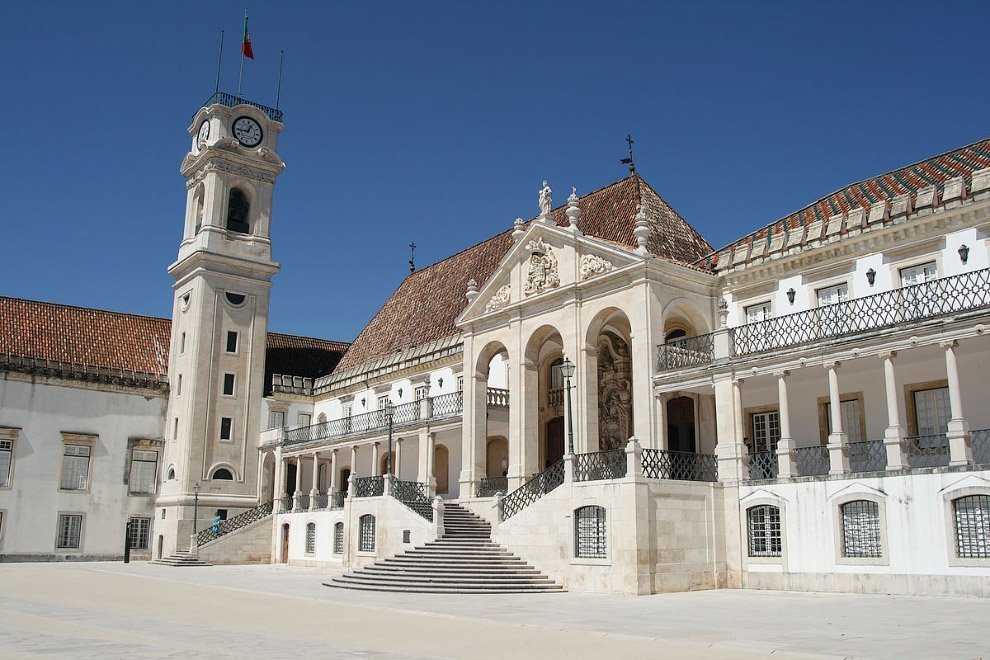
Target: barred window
(310,538)
(75,467)
(144,469)
(6,458)
(367,540)
(589,532)
(138,533)
(763,523)
(861,529)
(69,530)
(338,538)
(972,514)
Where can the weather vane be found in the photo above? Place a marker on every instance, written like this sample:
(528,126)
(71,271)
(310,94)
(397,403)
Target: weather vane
(629,161)
(412,257)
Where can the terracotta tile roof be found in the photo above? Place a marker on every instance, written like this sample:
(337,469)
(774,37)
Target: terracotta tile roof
(931,171)
(100,339)
(426,304)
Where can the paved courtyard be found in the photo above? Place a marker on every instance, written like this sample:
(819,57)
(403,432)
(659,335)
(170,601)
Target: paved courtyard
(113,610)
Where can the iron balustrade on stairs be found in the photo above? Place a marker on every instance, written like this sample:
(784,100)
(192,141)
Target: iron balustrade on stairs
(599,465)
(233,524)
(413,494)
(369,486)
(682,465)
(489,486)
(531,491)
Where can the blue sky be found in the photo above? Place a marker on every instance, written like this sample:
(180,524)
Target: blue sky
(436,122)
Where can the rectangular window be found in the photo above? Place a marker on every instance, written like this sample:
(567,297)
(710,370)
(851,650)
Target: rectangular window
(932,411)
(347,412)
(851,413)
(228,384)
(69,531)
(861,529)
(763,523)
(421,393)
(182,343)
(304,419)
(589,532)
(225,423)
(382,402)
(831,295)
(138,533)
(178,385)
(919,274)
(338,538)
(758,312)
(144,469)
(6,460)
(460,383)
(310,538)
(766,431)
(276,419)
(175,429)
(231,341)
(75,467)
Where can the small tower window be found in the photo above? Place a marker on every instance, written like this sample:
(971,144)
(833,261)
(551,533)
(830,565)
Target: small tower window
(235,299)
(238,210)
(198,208)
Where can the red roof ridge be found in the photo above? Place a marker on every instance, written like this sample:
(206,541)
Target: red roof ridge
(84,309)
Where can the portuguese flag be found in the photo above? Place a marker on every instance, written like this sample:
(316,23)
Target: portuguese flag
(246,45)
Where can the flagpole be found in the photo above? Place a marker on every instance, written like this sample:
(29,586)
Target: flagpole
(240,74)
(216,89)
(278,85)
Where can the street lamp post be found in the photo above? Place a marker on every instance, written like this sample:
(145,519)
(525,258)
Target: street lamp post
(389,411)
(195,508)
(567,371)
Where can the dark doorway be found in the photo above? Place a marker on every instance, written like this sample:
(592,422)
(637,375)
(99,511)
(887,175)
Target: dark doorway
(345,476)
(290,479)
(161,546)
(555,441)
(680,424)
(285,544)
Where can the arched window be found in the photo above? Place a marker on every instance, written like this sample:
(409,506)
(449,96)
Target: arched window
(556,375)
(171,474)
(861,529)
(366,543)
(675,334)
(589,532)
(222,474)
(321,418)
(310,538)
(198,207)
(338,538)
(763,524)
(972,522)
(238,212)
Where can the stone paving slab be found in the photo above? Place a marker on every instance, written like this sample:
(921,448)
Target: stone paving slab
(113,610)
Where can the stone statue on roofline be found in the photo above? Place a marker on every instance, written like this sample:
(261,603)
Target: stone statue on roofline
(546,199)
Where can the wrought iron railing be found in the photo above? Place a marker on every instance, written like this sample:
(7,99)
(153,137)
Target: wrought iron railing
(868,456)
(335,500)
(446,405)
(320,502)
(303,502)
(981,446)
(497,397)
(285,504)
(230,100)
(686,352)
(927,451)
(812,461)
(683,465)
(489,486)
(531,491)
(763,465)
(413,494)
(918,302)
(609,464)
(232,524)
(369,486)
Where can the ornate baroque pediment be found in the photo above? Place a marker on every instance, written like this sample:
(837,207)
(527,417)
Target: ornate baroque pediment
(592,264)
(541,273)
(501,298)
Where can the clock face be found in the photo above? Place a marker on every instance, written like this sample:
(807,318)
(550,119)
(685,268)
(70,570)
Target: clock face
(247,131)
(204,131)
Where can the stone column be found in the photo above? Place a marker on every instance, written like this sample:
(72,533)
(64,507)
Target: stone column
(332,488)
(634,458)
(398,457)
(893,437)
(376,466)
(960,441)
(660,440)
(354,452)
(280,485)
(297,494)
(730,450)
(838,441)
(786,458)
(474,430)
(315,490)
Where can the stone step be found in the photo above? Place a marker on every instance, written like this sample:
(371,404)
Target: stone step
(452,573)
(435,580)
(444,589)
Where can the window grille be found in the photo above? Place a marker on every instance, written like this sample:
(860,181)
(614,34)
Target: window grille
(144,468)
(310,538)
(972,516)
(861,529)
(764,531)
(138,533)
(367,541)
(6,458)
(75,467)
(338,538)
(589,532)
(69,530)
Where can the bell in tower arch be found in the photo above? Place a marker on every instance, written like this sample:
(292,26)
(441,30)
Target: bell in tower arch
(238,211)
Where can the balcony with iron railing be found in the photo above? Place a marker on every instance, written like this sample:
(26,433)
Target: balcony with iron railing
(902,307)
(231,100)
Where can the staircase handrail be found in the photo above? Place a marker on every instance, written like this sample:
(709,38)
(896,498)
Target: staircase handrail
(413,494)
(531,491)
(239,521)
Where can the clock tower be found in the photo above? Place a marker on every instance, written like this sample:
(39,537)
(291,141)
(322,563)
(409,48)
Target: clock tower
(219,319)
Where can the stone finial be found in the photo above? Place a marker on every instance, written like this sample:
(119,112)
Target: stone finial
(642,231)
(546,202)
(573,211)
(472,290)
(517,230)
(723,312)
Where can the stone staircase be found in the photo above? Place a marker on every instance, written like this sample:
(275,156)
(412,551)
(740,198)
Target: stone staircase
(180,558)
(464,560)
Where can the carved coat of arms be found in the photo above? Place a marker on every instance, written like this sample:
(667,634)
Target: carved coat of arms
(542,270)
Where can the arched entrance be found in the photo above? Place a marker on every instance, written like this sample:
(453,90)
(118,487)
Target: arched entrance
(681,424)
(607,389)
(284,557)
(441,469)
(497,457)
(554,439)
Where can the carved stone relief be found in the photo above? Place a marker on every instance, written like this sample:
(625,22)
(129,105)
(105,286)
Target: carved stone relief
(500,299)
(614,392)
(592,264)
(542,270)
